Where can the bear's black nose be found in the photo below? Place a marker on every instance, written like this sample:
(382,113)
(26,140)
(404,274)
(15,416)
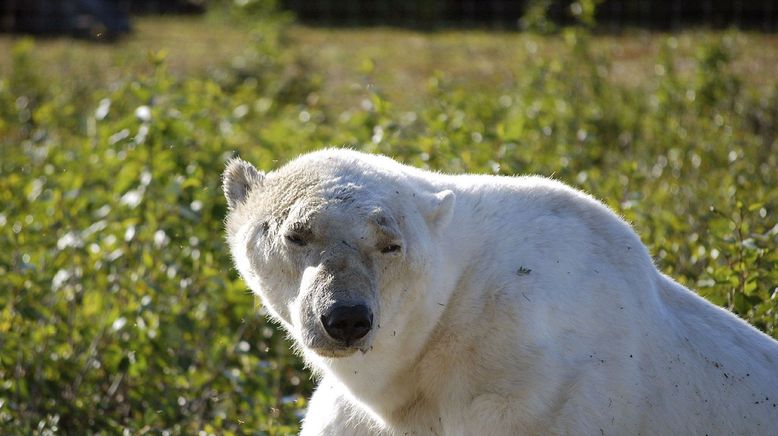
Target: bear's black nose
(347,323)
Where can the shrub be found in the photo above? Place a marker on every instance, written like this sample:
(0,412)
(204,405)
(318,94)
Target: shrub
(119,308)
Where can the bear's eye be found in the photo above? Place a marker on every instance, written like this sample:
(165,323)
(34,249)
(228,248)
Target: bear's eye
(296,239)
(391,248)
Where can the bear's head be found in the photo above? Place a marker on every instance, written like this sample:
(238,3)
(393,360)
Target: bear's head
(339,246)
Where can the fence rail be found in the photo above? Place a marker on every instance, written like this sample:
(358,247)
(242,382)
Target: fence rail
(111,17)
(89,18)
(611,14)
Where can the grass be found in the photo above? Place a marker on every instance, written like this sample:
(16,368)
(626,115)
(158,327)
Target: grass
(193,46)
(399,60)
(119,308)
(487,61)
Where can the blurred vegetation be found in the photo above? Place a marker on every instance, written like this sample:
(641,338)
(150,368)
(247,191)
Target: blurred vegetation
(119,308)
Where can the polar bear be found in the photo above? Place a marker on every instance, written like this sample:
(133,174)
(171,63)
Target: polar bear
(470,304)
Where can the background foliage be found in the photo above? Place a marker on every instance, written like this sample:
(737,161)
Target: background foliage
(119,309)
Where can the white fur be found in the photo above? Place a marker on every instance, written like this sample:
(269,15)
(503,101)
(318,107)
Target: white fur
(521,306)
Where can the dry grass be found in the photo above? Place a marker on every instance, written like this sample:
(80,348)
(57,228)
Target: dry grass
(402,60)
(193,45)
(396,62)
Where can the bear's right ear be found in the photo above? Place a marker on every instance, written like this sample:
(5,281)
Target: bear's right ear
(238,180)
(438,208)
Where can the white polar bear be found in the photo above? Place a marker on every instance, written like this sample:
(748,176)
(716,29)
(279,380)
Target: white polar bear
(463,305)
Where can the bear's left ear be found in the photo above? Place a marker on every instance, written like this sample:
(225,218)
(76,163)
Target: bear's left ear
(238,180)
(438,208)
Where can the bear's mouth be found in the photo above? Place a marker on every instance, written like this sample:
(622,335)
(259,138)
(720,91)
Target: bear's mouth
(339,352)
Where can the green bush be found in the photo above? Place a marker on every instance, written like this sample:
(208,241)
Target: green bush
(119,308)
